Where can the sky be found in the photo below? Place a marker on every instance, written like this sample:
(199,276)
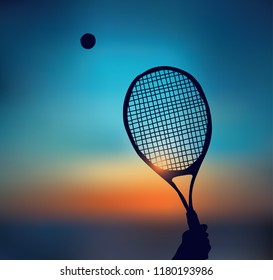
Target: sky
(64,152)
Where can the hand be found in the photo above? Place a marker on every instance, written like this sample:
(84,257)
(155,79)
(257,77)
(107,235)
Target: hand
(195,245)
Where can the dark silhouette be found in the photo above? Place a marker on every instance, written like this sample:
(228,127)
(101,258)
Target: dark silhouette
(88,41)
(195,245)
(168,121)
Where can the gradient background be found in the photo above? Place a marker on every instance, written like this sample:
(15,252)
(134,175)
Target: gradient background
(71,185)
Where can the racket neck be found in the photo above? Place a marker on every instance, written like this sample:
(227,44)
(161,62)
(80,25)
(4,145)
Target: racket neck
(193,220)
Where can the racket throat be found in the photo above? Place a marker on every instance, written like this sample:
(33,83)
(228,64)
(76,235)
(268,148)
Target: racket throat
(192,218)
(187,204)
(182,198)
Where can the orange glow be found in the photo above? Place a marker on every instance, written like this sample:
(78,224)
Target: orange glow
(98,204)
(134,191)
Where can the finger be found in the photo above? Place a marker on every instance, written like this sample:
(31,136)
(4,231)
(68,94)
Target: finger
(204,227)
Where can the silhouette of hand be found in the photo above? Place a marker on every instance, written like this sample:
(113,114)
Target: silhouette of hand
(195,245)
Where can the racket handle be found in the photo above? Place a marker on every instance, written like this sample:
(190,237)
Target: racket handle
(193,221)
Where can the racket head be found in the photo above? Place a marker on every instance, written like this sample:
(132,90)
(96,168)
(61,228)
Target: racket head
(180,85)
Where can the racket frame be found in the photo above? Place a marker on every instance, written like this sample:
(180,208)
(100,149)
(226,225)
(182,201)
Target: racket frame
(193,169)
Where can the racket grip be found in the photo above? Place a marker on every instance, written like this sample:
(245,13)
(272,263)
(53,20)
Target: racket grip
(193,221)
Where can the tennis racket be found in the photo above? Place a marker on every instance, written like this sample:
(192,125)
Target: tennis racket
(168,121)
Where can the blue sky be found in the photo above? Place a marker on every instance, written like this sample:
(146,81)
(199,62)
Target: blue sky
(61,102)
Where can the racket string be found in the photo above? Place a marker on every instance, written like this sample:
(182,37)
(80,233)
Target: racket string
(167,119)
